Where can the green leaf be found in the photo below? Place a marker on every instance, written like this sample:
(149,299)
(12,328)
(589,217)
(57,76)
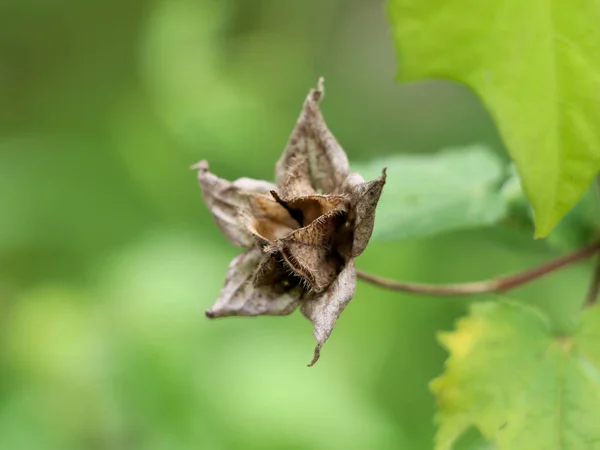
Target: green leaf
(535,65)
(429,194)
(579,226)
(473,440)
(519,385)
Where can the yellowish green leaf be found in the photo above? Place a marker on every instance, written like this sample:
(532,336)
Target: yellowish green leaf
(519,385)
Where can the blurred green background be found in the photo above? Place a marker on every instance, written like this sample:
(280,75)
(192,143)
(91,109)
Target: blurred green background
(108,257)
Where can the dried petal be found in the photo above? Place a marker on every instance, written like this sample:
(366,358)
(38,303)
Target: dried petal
(266,230)
(352,180)
(226,200)
(266,207)
(268,220)
(363,198)
(313,159)
(324,309)
(239,297)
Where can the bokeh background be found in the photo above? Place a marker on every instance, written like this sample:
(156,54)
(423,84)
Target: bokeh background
(108,257)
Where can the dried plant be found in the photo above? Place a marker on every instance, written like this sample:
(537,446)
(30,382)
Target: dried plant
(301,235)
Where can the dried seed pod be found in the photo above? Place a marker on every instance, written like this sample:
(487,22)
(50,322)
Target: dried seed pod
(301,235)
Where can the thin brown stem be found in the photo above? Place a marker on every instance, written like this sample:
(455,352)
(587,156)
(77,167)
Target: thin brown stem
(501,284)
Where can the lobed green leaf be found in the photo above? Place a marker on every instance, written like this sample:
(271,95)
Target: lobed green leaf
(519,385)
(535,66)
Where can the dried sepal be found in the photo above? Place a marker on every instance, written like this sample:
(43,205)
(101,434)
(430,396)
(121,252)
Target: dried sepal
(308,208)
(272,270)
(226,200)
(313,160)
(320,231)
(364,197)
(317,266)
(240,297)
(324,309)
(309,251)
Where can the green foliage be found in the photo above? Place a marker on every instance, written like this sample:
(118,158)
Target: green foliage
(429,194)
(579,226)
(108,257)
(522,387)
(473,440)
(508,380)
(535,66)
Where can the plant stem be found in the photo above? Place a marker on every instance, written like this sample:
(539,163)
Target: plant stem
(501,284)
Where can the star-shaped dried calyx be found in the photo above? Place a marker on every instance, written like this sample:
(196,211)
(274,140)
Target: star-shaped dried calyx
(301,234)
